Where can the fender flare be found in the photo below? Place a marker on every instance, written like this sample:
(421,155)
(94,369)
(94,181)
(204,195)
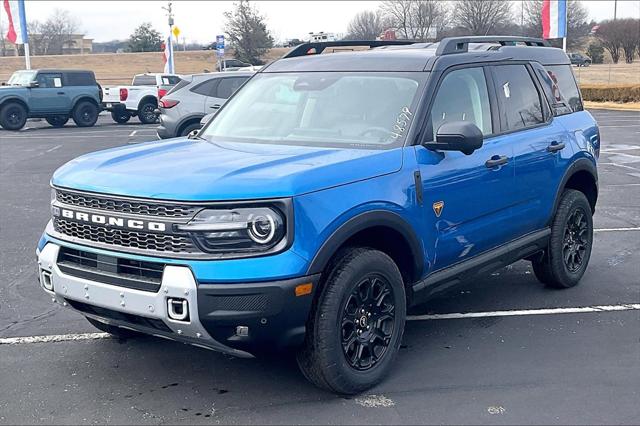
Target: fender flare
(12,98)
(144,99)
(185,120)
(81,98)
(581,164)
(362,221)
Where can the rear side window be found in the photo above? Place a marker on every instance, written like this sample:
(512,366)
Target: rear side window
(179,85)
(207,88)
(462,96)
(144,80)
(563,77)
(80,79)
(520,102)
(170,79)
(228,86)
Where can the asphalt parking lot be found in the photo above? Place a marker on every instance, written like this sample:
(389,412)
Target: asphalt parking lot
(502,350)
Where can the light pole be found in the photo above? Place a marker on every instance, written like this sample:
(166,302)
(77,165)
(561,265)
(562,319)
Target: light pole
(169,11)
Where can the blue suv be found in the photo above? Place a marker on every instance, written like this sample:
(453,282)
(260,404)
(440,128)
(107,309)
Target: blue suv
(328,195)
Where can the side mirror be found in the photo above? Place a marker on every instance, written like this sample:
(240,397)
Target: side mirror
(192,134)
(462,136)
(34,84)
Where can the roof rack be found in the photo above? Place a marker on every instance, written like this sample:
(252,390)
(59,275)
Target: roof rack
(451,45)
(318,47)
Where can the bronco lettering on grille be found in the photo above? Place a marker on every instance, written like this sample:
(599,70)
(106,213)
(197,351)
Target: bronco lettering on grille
(112,221)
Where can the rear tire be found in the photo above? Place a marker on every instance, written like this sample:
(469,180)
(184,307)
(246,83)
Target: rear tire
(565,260)
(190,128)
(85,114)
(121,333)
(120,117)
(355,327)
(146,113)
(13,116)
(57,120)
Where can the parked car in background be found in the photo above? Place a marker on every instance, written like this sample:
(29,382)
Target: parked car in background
(233,64)
(194,97)
(139,99)
(53,94)
(579,59)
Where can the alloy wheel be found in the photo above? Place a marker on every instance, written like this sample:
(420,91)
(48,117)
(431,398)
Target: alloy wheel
(575,240)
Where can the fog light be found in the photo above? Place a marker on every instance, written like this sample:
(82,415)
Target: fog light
(178,309)
(45,278)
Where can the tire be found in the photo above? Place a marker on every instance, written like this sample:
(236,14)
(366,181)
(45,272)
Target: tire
(13,116)
(146,114)
(57,120)
(565,260)
(337,325)
(85,114)
(121,116)
(190,128)
(121,333)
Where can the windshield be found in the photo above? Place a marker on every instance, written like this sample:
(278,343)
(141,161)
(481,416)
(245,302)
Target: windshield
(22,78)
(338,109)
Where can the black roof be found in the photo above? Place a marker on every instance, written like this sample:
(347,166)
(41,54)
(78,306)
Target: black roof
(411,56)
(59,70)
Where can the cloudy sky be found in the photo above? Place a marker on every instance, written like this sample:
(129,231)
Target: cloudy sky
(202,20)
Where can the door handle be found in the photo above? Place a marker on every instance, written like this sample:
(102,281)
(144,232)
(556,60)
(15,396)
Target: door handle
(555,146)
(496,160)
(216,106)
(60,93)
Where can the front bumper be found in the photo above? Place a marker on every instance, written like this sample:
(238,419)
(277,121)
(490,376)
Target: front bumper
(270,315)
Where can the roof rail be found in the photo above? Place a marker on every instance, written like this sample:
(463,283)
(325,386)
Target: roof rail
(450,45)
(319,46)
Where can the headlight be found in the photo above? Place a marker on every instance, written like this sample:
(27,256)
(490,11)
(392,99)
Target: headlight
(239,230)
(53,195)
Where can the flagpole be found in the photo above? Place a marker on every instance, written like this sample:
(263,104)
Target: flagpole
(566,26)
(27,57)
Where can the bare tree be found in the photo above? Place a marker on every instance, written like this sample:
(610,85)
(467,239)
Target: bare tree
(630,29)
(611,36)
(481,17)
(366,25)
(53,35)
(415,19)
(577,16)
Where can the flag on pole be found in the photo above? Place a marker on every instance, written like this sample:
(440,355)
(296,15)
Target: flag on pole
(554,18)
(17,33)
(167,55)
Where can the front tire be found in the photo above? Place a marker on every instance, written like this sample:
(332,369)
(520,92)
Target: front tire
(121,116)
(13,116)
(85,114)
(356,326)
(146,113)
(120,333)
(57,120)
(565,260)
(190,128)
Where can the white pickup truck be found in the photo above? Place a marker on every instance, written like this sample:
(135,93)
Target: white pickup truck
(140,98)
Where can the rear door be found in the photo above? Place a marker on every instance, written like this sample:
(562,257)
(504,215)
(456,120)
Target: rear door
(222,91)
(526,123)
(50,97)
(468,198)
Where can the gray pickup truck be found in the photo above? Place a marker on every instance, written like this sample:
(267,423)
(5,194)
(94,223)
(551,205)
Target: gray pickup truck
(55,95)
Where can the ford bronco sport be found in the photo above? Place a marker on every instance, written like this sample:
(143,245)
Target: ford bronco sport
(55,95)
(329,194)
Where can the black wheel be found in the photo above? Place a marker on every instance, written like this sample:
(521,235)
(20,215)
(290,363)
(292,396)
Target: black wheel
(190,128)
(13,116)
(146,113)
(355,328)
(567,257)
(120,116)
(85,114)
(121,333)
(57,120)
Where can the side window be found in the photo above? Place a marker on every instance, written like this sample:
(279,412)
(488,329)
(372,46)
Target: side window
(144,80)
(79,79)
(462,96)
(521,106)
(170,79)
(550,86)
(207,88)
(228,86)
(563,77)
(48,80)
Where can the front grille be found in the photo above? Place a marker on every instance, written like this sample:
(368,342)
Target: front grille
(126,206)
(125,238)
(119,316)
(129,273)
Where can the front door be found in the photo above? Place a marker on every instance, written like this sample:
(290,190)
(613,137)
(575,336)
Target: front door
(467,198)
(50,96)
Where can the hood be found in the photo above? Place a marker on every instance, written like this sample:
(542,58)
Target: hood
(190,170)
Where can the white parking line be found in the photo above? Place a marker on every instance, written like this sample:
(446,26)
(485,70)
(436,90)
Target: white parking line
(133,133)
(53,149)
(636,228)
(548,311)
(524,312)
